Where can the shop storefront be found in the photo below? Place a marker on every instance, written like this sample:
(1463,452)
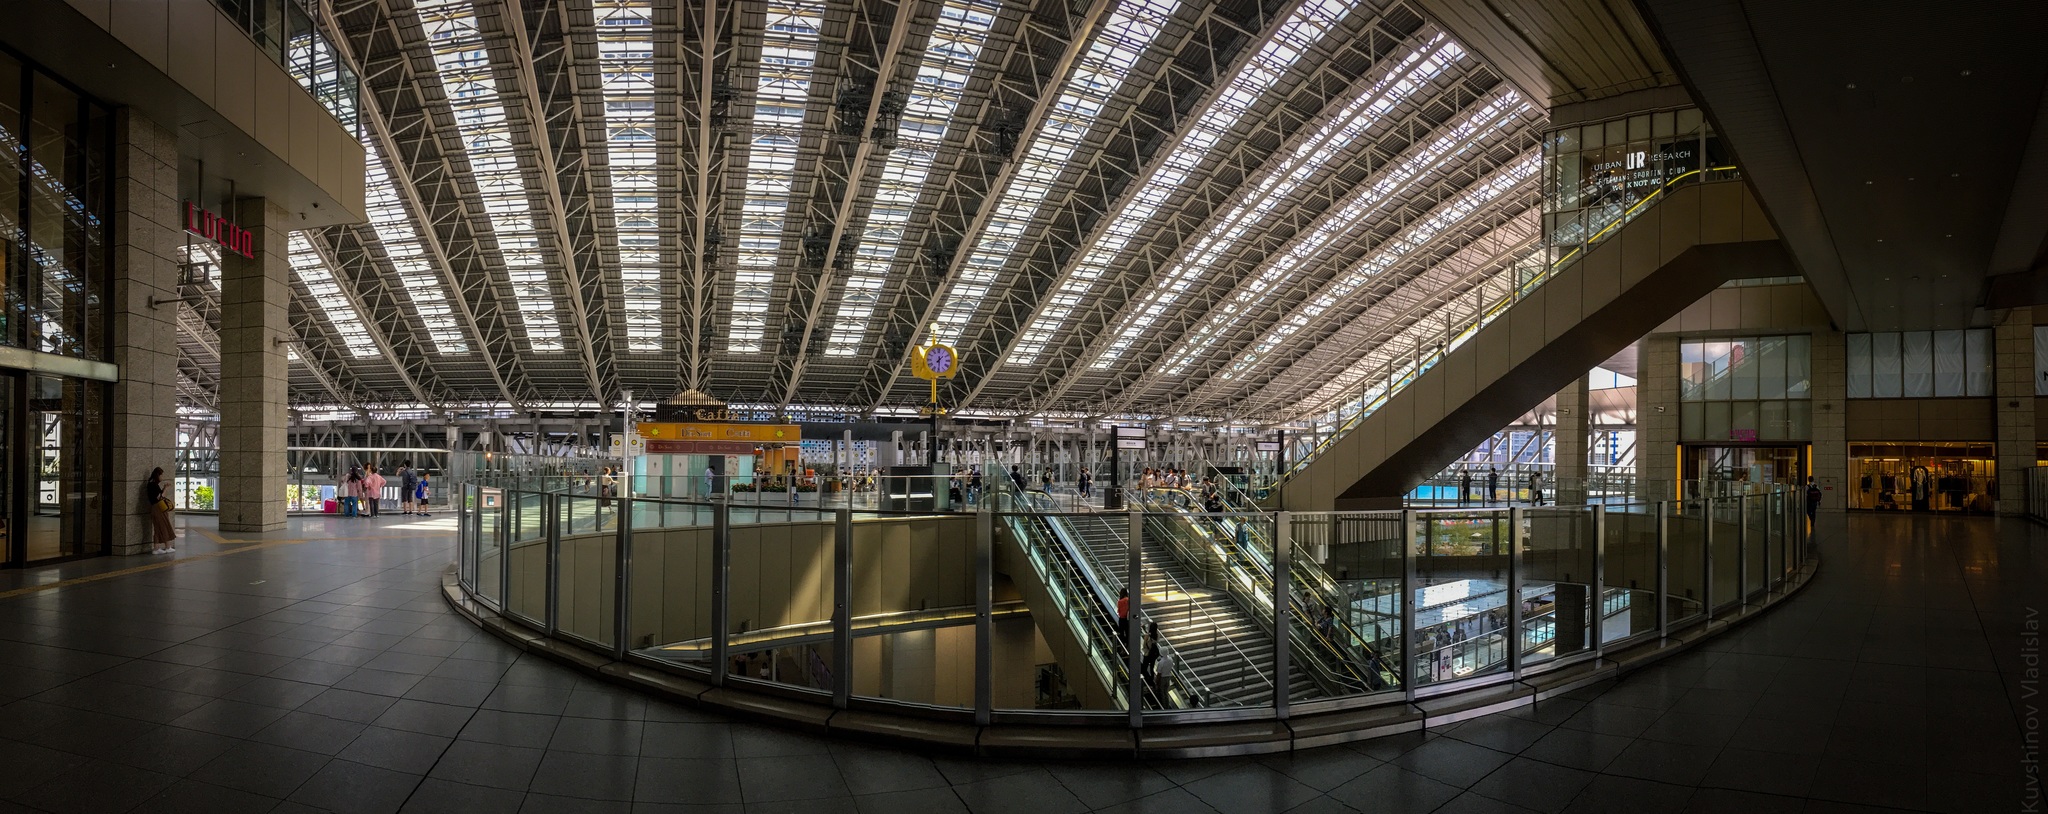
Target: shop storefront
(55,237)
(1758,463)
(1924,476)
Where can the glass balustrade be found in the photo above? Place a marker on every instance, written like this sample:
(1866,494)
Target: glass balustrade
(1022,608)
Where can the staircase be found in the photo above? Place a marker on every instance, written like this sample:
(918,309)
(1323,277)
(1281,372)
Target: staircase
(1645,270)
(1224,648)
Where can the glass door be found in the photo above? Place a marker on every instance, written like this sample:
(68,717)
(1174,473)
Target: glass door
(13,501)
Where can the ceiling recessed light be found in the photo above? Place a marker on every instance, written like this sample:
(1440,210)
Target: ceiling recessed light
(1868,183)
(1966,72)
(1852,86)
(1955,175)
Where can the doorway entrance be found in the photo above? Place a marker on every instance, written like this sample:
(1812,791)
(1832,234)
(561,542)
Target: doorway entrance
(1755,464)
(53,475)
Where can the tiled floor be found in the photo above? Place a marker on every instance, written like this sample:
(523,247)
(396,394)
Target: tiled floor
(328,675)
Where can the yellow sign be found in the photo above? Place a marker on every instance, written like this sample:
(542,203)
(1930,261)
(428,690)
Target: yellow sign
(748,433)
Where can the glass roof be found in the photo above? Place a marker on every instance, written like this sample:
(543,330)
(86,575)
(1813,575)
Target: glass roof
(942,75)
(781,103)
(471,85)
(625,51)
(1306,26)
(393,226)
(319,281)
(1095,80)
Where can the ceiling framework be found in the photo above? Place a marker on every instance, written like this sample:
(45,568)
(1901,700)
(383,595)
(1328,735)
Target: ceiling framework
(1140,207)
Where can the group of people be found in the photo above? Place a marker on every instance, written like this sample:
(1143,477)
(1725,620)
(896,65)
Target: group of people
(1164,479)
(362,489)
(1493,487)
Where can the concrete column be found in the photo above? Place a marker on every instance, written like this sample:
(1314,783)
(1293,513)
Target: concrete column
(1657,416)
(255,301)
(2013,386)
(1574,432)
(1830,386)
(147,231)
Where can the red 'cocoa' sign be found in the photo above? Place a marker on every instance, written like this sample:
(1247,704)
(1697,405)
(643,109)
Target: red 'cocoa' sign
(219,230)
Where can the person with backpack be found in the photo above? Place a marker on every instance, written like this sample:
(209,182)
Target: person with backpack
(408,483)
(420,497)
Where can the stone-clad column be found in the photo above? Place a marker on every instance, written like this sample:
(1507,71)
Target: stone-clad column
(1657,416)
(2013,386)
(1829,387)
(255,301)
(143,425)
(1574,434)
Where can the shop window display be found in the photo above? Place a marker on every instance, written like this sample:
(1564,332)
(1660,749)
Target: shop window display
(1936,477)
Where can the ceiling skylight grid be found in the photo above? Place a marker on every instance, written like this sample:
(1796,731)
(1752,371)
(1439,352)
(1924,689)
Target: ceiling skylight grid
(949,59)
(1445,218)
(393,228)
(625,55)
(464,68)
(1096,78)
(1296,173)
(1421,163)
(789,50)
(1309,23)
(326,293)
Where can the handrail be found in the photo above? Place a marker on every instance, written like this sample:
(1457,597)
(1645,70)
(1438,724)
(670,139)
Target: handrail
(1110,667)
(1398,373)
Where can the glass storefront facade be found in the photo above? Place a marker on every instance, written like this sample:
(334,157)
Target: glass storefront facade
(1919,364)
(1746,390)
(1924,476)
(1596,175)
(55,271)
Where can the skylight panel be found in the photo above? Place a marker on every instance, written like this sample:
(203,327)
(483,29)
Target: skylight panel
(1101,71)
(1309,23)
(326,293)
(625,31)
(941,76)
(393,226)
(467,78)
(1309,161)
(1444,218)
(782,93)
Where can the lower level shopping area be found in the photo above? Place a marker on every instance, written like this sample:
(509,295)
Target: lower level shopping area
(321,667)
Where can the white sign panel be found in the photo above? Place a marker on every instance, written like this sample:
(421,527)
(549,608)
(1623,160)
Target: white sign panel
(1130,443)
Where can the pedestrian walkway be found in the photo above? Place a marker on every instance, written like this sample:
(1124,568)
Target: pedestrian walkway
(319,669)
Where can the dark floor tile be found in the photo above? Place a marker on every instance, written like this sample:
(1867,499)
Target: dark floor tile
(1393,788)
(172,750)
(1476,803)
(353,788)
(1724,801)
(511,729)
(1675,763)
(348,705)
(396,749)
(450,691)
(1533,784)
(606,703)
(96,786)
(444,797)
(28,766)
(1578,749)
(275,692)
(425,717)
(234,719)
(1451,761)
(1499,733)
(1031,791)
(536,700)
(792,777)
(313,671)
(1322,769)
(1250,787)
(596,736)
(1608,794)
(936,801)
(194,797)
(491,765)
(379,682)
(1861,783)
(272,771)
(596,777)
(1762,772)
(311,733)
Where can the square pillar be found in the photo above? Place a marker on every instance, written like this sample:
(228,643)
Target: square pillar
(2013,386)
(1829,385)
(143,424)
(255,316)
(1574,437)
(1657,417)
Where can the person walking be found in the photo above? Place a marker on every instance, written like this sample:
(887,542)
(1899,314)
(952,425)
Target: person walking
(974,485)
(1017,477)
(1492,484)
(161,533)
(1535,488)
(1123,614)
(710,481)
(1812,500)
(1086,484)
(1045,480)
(373,489)
(408,482)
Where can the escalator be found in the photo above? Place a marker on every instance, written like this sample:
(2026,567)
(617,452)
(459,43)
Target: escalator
(1324,644)
(1651,263)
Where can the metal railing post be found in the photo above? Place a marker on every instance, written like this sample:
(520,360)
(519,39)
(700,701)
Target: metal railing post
(622,590)
(1707,559)
(984,608)
(842,608)
(1283,568)
(1134,633)
(1598,595)
(721,573)
(1663,569)
(1407,600)
(1514,598)
(506,501)
(1742,551)
(551,609)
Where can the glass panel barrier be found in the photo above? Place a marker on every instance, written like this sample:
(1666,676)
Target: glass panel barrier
(1628,595)
(1725,515)
(1756,548)
(669,616)
(1357,620)
(781,598)
(587,562)
(913,610)
(526,553)
(1078,661)
(1460,594)
(1558,578)
(491,535)
(1684,560)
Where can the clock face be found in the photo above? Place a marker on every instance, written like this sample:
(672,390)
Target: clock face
(939,360)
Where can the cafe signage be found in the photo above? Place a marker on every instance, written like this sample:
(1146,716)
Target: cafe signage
(219,230)
(731,433)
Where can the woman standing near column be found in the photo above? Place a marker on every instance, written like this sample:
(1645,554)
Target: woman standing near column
(161,532)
